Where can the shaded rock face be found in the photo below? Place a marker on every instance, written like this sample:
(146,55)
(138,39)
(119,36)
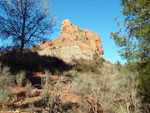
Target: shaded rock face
(74,43)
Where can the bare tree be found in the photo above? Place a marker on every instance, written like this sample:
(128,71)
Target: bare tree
(25,22)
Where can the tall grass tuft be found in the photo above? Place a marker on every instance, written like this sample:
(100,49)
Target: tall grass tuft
(6,82)
(20,77)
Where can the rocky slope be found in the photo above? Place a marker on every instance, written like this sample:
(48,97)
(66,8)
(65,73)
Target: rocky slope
(74,43)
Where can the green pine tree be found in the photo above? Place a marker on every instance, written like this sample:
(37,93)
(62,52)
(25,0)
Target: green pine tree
(134,40)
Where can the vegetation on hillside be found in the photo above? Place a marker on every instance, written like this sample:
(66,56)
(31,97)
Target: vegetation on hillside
(109,88)
(134,41)
(45,84)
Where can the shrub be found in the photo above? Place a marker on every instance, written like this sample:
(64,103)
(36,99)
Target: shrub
(110,90)
(92,85)
(20,77)
(144,87)
(45,82)
(88,65)
(71,73)
(28,87)
(3,94)
(36,48)
(143,68)
(6,81)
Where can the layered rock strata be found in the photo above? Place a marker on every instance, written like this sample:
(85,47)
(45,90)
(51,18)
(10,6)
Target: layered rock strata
(74,43)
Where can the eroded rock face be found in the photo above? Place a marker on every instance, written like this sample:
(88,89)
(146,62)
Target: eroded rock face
(74,43)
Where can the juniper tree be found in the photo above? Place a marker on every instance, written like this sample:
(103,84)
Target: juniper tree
(134,40)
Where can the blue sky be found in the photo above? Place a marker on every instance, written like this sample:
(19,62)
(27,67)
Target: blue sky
(96,15)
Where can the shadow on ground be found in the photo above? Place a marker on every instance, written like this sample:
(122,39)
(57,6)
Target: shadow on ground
(31,61)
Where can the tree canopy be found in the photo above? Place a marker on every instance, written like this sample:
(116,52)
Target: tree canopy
(134,38)
(25,22)
(134,41)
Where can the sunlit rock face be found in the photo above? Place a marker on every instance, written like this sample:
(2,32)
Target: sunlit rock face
(73,43)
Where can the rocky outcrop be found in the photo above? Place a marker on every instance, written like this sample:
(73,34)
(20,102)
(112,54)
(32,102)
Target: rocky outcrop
(74,43)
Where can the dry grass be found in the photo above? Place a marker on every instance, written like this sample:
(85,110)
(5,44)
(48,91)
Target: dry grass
(114,86)
(116,90)
(85,66)
(20,78)
(6,81)
(71,73)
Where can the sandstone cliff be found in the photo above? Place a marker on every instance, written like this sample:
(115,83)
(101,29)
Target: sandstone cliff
(74,43)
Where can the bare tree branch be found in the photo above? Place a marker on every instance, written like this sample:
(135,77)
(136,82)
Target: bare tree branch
(25,22)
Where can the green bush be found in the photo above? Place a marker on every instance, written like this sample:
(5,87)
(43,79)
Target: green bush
(20,77)
(6,79)
(143,68)
(144,87)
(3,94)
(71,73)
(88,65)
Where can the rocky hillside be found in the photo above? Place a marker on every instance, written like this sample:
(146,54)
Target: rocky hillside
(34,82)
(74,43)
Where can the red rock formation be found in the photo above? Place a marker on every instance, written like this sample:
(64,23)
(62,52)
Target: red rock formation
(74,43)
